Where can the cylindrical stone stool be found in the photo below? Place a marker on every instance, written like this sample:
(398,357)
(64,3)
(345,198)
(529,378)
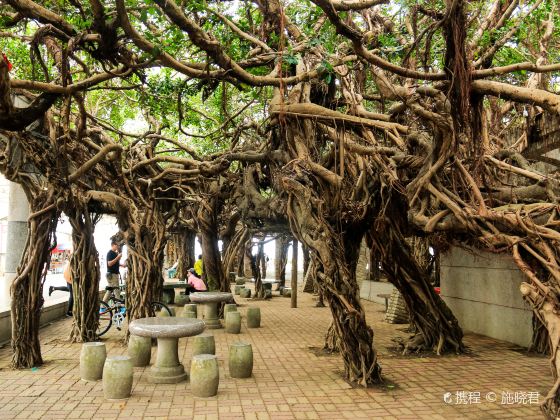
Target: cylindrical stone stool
(163,312)
(191,307)
(238,289)
(139,350)
(233,322)
(188,314)
(92,359)
(203,344)
(267,286)
(240,281)
(287,292)
(232,276)
(253,317)
(205,375)
(117,377)
(229,307)
(245,293)
(180,300)
(240,360)
(267,294)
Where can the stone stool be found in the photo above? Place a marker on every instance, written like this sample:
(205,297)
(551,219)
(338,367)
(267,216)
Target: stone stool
(231,277)
(238,289)
(233,322)
(139,350)
(92,359)
(253,317)
(229,307)
(267,294)
(240,360)
(240,281)
(205,375)
(181,300)
(117,377)
(287,292)
(191,307)
(245,293)
(204,344)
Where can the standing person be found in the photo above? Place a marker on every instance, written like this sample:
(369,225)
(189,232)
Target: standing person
(113,258)
(199,266)
(67,274)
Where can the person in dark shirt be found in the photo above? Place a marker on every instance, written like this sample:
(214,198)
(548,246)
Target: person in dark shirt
(113,258)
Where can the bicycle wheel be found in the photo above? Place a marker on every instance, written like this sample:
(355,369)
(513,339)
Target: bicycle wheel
(158,306)
(105,318)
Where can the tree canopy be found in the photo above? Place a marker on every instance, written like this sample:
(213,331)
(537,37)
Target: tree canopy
(335,120)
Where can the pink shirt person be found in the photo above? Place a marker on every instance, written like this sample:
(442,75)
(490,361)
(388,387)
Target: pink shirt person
(196,282)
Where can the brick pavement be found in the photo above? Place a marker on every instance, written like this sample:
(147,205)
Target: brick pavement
(290,381)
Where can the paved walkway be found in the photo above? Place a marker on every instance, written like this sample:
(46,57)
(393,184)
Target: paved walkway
(289,379)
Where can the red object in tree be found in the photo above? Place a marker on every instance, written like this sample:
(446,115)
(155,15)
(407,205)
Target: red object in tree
(7,62)
(437,290)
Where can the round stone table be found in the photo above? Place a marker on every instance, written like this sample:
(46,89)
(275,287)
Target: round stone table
(167,330)
(210,301)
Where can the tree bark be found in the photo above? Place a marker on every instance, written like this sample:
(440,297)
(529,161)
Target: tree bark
(145,240)
(436,326)
(282,246)
(256,272)
(85,277)
(185,241)
(335,257)
(262,260)
(27,287)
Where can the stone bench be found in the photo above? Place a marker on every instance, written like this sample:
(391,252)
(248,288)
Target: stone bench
(386,296)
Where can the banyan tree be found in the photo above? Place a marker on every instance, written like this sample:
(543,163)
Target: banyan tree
(337,120)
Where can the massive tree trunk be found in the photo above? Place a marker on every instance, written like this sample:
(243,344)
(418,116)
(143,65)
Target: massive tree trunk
(27,288)
(184,242)
(255,271)
(208,226)
(85,276)
(549,317)
(306,259)
(436,326)
(335,257)
(145,239)
(262,259)
(282,246)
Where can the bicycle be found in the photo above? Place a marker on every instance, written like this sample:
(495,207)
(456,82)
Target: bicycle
(114,311)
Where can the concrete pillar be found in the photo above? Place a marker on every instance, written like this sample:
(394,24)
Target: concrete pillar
(277,257)
(294,273)
(18,213)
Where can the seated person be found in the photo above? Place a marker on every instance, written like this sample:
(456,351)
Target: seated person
(196,283)
(172,271)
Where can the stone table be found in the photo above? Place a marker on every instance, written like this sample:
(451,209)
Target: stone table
(168,291)
(167,330)
(210,301)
